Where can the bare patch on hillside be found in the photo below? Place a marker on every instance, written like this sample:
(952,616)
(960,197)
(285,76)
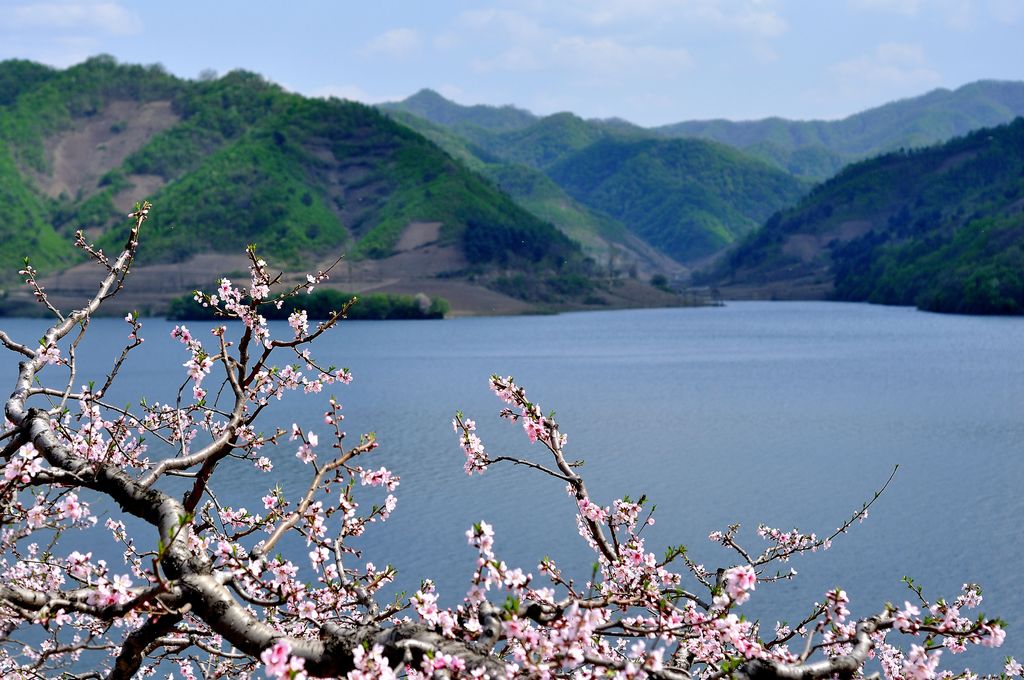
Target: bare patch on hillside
(417,235)
(427,261)
(956,160)
(805,247)
(353,191)
(812,247)
(79,157)
(851,229)
(143,186)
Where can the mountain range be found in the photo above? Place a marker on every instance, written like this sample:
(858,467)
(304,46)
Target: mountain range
(812,149)
(238,160)
(693,188)
(941,228)
(496,208)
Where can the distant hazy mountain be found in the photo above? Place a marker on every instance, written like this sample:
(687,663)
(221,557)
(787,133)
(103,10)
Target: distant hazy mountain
(815,149)
(603,238)
(941,227)
(686,198)
(433,107)
(818,149)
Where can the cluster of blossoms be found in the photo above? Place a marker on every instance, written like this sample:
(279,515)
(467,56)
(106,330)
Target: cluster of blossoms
(476,459)
(23,466)
(787,543)
(684,632)
(535,424)
(739,582)
(199,363)
(235,542)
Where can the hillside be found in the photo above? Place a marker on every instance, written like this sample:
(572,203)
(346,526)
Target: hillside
(602,237)
(238,160)
(552,139)
(941,228)
(684,198)
(818,149)
(688,198)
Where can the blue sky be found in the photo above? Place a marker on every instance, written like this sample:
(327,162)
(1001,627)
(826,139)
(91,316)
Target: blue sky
(648,61)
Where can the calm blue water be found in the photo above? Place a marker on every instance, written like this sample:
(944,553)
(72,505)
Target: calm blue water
(790,414)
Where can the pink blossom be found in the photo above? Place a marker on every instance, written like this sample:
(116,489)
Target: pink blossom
(50,354)
(36,517)
(381,477)
(70,507)
(299,323)
(905,619)
(919,665)
(276,660)
(994,635)
(739,581)
(592,511)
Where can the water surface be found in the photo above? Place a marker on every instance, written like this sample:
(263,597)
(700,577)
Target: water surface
(790,414)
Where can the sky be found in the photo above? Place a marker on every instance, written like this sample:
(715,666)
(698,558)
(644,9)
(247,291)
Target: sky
(651,62)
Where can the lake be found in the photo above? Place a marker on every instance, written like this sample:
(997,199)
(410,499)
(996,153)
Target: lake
(791,414)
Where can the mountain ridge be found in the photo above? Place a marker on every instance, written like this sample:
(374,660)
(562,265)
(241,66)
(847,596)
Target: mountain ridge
(677,195)
(816,149)
(236,159)
(941,228)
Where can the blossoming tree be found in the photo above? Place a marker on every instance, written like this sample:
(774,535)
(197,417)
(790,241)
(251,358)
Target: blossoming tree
(205,592)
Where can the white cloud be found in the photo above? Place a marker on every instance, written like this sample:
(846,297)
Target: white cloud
(1007,11)
(445,41)
(515,59)
(110,18)
(610,57)
(891,71)
(527,46)
(514,25)
(764,53)
(890,64)
(754,17)
(396,43)
(961,15)
(588,58)
(63,33)
(749,17)
(905,7)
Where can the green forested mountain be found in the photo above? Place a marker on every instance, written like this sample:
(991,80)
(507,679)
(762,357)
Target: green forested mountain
(813,150)
(941,228)
(689,198)
(817,149)
(429,105)
(551,139)
(238,160)
(603,237)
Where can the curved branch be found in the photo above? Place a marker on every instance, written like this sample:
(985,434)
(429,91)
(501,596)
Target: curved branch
(844,666)
(136,645)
